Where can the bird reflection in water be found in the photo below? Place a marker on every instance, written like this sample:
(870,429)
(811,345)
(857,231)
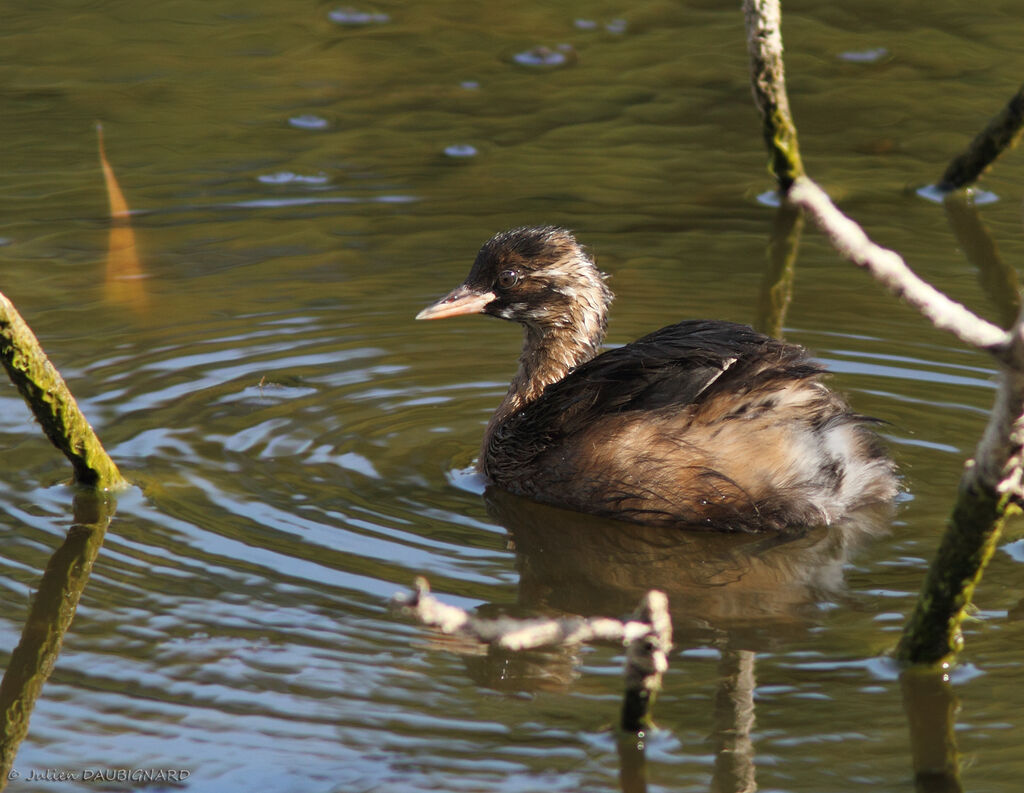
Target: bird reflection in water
(737,593)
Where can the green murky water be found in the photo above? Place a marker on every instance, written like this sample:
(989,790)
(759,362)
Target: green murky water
(300,187)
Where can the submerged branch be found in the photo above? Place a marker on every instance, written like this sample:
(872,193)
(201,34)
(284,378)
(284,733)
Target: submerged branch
(46,393)
(999,134)
(991,485)
(648,638)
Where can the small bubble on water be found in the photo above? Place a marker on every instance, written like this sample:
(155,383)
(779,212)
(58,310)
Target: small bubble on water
(546,57)
(864,56)
(585,24)
(287,177)
(616,26)
(470,85)
(931,193)
(460,150)
(351,17)
(770,198)
(309,121)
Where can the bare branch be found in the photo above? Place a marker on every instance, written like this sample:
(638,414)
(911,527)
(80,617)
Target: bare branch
(888,267)
(648,639)
(520,634)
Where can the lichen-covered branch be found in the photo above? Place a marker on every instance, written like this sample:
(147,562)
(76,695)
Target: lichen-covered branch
(991,486)
(1000,133)
(768,81)
(646,661)
(648,638)
(54,407)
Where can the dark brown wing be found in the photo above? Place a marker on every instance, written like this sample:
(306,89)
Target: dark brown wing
(678,366)
(703,422)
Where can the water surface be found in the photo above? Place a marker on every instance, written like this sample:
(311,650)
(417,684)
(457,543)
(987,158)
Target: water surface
(302,182)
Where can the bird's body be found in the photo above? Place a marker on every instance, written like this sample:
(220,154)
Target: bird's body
(700,423)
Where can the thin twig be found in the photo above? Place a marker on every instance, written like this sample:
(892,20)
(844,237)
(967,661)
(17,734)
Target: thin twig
(648,639)
(511,633)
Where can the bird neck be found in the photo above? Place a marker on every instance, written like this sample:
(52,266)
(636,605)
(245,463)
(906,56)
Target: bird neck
(549,354)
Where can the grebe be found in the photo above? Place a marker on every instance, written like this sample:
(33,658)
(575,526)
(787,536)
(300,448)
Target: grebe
(703,423)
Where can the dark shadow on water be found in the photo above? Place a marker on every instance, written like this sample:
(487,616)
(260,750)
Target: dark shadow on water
(50,615)
(742,591)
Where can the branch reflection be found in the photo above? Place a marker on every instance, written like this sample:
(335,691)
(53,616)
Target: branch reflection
(780,270)
(50,615)
(931,708)
(1000,282)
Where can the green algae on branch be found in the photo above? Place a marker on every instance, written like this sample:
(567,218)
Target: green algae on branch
(991,490)
(932,635)
(999,134)
(768,81)
(53,405)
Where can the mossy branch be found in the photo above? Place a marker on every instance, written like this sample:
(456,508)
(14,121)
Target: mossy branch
(1001,133)
(932,635)
(46,393)
(991,484)
(768,81)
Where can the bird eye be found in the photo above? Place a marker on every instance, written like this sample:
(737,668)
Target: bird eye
(508,278)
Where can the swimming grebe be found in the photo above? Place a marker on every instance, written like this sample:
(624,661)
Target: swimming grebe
(704,422)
